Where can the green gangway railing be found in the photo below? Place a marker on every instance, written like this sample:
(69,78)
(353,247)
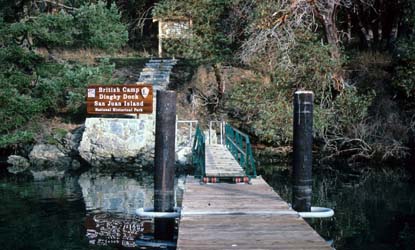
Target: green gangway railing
(198,153)
(240,147)
(238,144)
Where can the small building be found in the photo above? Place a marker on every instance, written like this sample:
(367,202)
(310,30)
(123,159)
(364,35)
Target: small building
(178,27)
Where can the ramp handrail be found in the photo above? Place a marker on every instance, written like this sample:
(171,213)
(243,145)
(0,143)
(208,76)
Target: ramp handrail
(198,153)
(240,147)
(188,143)
(221,131)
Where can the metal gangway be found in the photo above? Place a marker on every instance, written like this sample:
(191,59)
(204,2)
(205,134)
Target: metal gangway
(222,155)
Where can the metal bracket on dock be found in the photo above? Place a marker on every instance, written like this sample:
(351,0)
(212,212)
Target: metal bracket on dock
(149,212)
(317,212)
(283,212)
(156,244)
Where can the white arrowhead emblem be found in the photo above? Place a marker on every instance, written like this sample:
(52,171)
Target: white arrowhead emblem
(144,92)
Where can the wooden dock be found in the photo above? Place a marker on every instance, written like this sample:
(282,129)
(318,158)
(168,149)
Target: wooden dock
(227,215)
(241,216)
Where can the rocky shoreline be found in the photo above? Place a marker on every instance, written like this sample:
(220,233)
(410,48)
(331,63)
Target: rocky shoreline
(50,160)
(105,144)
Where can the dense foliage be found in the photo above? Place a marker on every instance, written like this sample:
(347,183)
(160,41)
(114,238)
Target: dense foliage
(357,56)
(360,95)
(206,39)
(90,25)
(404,79)
(100,27)
(33,86)
(268,109)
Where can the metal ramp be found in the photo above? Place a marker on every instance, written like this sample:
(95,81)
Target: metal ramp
(221,163)
(228,158)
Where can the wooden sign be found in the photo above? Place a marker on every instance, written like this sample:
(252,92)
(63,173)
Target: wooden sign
(174,27)
(120,99)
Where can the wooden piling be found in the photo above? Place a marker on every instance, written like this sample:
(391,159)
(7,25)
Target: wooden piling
(164,162)
(302,158)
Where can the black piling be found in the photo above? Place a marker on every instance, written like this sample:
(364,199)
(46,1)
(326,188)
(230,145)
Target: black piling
(302,158)
(164,163)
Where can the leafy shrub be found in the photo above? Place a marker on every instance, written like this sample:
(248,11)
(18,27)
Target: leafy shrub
(53,30)
(16,109)
(15,57)
(92,25)
(16,138)
(48,92)
(262,111)
(100,27)
(343,127)
(31,87)
(65,90)
(25,97)
(404,79)
(77,77)
(268,109)
(350,109)
(17,105)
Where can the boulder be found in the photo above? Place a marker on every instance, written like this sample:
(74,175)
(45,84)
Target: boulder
(72,141)
(19,164)
(50,160)
(118,142)
(47,174)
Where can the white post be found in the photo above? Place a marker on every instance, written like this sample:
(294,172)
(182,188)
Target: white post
(160,39)
(190,134)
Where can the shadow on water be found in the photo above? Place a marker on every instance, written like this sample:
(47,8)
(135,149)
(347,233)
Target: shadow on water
(374,210)
(92,211)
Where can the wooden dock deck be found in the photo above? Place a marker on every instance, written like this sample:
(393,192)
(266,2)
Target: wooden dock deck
(241,216)
(237,216)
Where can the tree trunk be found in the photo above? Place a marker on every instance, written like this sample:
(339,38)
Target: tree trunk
(326,11)
(328,17)
(332,37)
(349,28)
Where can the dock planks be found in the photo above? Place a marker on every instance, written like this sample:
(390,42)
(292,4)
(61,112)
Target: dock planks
(241,216)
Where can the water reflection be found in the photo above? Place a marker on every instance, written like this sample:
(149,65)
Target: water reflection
(110,229)
(372,211)
(116,192)
(111,200)
(41,215)
(93,211)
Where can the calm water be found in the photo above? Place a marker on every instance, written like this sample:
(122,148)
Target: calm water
(372,211)
(93,211)
(96,211)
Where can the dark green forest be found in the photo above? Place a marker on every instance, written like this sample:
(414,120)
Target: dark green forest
(358,56)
